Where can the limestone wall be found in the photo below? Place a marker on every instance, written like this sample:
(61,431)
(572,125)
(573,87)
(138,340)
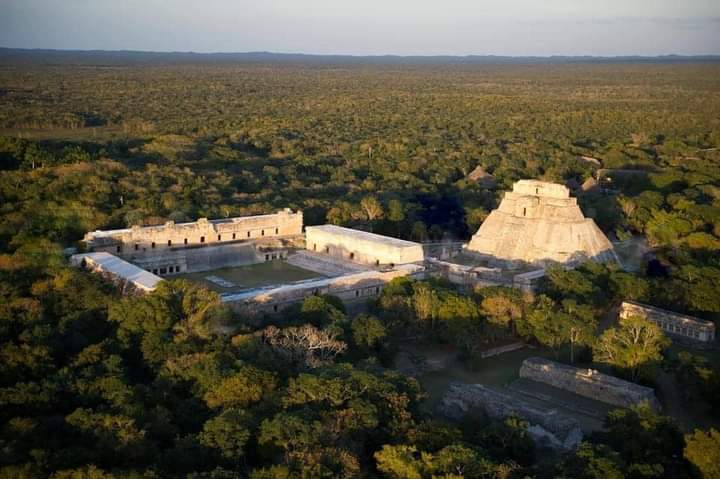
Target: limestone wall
(673,323)
(588,383)
(150,239)
(361,246)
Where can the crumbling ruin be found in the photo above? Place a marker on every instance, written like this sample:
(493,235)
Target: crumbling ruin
(587,382)
(548,427)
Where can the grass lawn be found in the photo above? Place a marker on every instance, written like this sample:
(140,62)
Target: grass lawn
(252,276)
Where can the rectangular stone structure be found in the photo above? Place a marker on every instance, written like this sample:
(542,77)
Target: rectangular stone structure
(362,246)
(587,382)
(673,323)
(117,270)
(203,232)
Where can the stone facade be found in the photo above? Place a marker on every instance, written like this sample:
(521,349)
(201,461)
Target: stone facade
(349,288)
(537,223)
(549,427)
(673,323)
(152,240)
(587,382)
(361,246)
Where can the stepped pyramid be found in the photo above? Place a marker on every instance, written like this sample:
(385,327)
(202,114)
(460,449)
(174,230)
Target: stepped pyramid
(537,223)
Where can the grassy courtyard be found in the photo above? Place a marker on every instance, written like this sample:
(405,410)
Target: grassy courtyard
(251,276)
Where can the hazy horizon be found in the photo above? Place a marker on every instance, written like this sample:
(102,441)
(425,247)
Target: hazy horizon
(369,28)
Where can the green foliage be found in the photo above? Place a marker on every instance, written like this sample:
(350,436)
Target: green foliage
(650,445)
(93,385)
(634,346)
(703,451)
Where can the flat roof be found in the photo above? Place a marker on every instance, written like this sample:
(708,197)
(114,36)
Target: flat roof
(122,269)
(364,235)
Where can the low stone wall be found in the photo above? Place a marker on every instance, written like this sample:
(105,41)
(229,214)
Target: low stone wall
(588,382)
(548,427)
(488,353)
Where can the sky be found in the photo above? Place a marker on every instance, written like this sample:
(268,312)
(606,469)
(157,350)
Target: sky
(368,27)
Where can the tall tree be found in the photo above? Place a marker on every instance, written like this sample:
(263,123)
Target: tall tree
(635,344)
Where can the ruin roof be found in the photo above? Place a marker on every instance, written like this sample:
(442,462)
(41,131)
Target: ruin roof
(364,235)
(122,269)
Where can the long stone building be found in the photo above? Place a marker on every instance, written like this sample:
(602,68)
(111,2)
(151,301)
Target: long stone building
(537,223)
(203,232)
(361,246)
(675,324)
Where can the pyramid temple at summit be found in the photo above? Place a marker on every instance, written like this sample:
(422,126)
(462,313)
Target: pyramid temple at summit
(539,223)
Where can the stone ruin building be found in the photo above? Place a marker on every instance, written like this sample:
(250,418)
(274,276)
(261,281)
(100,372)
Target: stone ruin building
(175,248)
(675,324)
(588,382)
(361,246)
(347,263)
(538,223)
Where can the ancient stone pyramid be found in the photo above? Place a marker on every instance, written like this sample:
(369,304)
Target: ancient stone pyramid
(538,223)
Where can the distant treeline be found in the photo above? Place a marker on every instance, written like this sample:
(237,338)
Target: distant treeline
(20,56)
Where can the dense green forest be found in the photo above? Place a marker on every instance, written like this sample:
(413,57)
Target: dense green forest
(97,385)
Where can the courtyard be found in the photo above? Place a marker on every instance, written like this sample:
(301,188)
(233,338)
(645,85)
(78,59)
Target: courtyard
(230,280)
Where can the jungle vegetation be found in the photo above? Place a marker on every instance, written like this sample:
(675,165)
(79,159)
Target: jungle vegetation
(93,384)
